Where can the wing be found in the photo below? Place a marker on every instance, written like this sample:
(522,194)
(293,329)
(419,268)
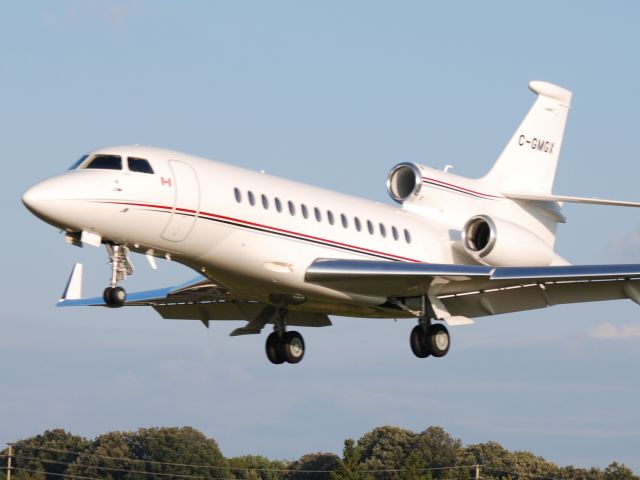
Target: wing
(198,299)
(475,291)
(540,197)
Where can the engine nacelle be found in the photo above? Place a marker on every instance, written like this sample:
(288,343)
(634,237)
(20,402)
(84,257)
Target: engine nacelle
(500,243)
(404,181)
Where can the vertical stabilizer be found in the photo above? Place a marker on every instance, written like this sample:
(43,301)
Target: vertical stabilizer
(528,162)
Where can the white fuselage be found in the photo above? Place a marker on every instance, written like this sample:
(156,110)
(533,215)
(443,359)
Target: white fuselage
(252,232)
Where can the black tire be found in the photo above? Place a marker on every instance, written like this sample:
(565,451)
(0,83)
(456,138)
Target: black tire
(119,296)
(418,341)
(438,340)
(106,295)
(292,347)
(273,348)
(114,297)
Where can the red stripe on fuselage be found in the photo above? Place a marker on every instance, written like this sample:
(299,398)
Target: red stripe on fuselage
(275,229)
(460,188)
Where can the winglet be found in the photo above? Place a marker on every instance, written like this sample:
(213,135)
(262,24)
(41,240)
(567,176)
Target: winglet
(73,290)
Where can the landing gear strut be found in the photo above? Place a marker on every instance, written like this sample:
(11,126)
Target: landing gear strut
(427,338)
(115,296)
(283,346)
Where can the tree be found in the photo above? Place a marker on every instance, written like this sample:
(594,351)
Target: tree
(438,449)
(618,471)
(163,451)
(314,466)
(386,448)
(256,467)
(349,467)
(46,456)
(414,468)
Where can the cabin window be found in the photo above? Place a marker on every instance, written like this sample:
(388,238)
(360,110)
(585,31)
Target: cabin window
(278,205)
(252,199)
(238,195)
(343,219)
(330,217)
(77,163)
(139,165)
(383,230)
(106,162)
(318,214)
(394,232)
(265,201)
(305,212)
(370,227)
(407,236)
(292,207)
(356,221)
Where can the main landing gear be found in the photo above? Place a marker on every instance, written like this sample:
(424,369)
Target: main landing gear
(115,296)
(429,339)
(283,346)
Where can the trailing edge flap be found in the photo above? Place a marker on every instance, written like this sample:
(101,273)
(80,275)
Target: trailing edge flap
(404,279)
(540,197)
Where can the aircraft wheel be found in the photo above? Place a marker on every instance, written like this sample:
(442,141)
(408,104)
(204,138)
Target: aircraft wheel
(114,296)
(418,340)
(292,347)
(438,340)
(274,349)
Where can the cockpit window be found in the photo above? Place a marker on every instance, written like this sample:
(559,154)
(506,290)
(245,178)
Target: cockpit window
(77,163)
(139,165)
(106,162)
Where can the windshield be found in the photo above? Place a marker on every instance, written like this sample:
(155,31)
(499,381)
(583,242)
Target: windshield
(106,162)
(77,163)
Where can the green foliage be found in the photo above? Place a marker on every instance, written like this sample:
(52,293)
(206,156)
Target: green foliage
(136,455)
(256,467)
(350,466)
(50,452)
(384,453)
(438,449)
(617,471)
(313,466)
(414,468)
(386,448)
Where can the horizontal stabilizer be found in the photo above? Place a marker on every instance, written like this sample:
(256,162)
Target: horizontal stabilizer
(538,197)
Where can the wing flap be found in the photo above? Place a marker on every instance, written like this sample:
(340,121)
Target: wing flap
(531,297)
(475,291)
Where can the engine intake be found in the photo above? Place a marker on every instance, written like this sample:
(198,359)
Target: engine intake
(497,242)
(404,181)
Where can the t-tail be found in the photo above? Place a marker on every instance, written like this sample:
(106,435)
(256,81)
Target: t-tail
(528,162)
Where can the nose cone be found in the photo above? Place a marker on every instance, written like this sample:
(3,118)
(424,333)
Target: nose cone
(34,198)
(44,200)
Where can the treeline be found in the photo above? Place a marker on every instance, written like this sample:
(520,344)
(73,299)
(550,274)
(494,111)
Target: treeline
(385,453)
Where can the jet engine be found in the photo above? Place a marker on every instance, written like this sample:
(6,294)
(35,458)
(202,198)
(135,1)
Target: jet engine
(404,181)
(500,243)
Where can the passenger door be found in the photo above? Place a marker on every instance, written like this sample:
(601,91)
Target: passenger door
(186,205)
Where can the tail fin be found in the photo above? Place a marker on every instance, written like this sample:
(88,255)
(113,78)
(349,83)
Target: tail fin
(528,162)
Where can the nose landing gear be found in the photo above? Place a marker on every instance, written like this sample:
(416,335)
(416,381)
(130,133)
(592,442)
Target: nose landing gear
(115,296)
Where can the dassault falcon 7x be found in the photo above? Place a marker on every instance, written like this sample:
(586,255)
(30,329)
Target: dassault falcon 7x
(273,251)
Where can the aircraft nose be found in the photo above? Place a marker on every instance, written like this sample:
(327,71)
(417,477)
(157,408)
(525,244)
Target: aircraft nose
(42,200)
(34,198)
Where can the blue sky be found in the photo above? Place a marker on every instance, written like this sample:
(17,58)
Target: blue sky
(333,94)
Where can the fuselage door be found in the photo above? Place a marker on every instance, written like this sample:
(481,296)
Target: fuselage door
(186,204)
